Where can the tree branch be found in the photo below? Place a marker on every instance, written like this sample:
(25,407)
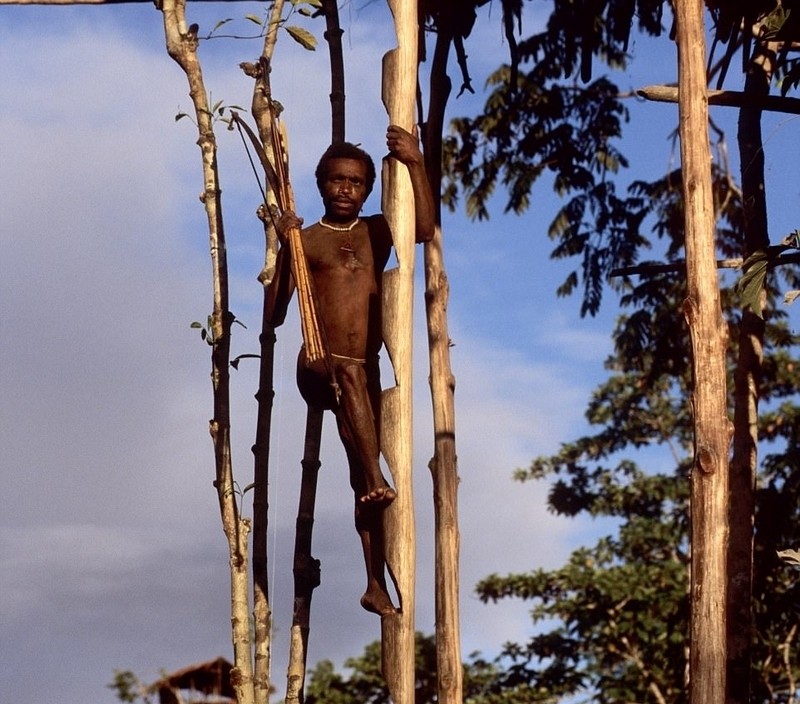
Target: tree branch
(727,98)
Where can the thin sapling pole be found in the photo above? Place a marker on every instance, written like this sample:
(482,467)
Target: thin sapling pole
(182,47)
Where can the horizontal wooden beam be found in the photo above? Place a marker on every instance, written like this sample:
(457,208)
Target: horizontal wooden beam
(95,2)
(730,98)
(679,266)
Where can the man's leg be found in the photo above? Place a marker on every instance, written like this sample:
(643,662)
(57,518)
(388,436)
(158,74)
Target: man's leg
(358,429)
(359,434)
(369,524)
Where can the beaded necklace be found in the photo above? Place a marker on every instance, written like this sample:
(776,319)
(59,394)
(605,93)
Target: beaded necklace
(338,228)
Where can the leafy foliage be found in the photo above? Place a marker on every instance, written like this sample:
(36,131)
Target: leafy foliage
(620,606)
(543,121)
(540,121)
(484,682)
(755,269)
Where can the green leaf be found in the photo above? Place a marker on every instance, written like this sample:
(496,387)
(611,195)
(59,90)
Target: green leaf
(302,37)
(255,19)
(198,326)
(220,23)
(770,25)
(750,286)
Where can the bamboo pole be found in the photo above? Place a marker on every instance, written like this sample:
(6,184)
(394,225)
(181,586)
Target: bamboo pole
(399,93)
(182,47)
(709,491)
(306,569)
(333,35)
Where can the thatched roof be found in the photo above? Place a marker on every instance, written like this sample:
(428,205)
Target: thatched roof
(211,678)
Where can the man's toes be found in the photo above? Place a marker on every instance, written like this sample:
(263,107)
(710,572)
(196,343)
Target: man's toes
(382,496)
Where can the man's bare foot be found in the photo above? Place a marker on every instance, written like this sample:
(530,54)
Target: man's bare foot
(380,497)
(377,601)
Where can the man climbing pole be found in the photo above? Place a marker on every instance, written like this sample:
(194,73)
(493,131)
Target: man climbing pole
(346,255)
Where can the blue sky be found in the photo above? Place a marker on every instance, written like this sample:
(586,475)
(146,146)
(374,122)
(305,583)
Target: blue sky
(111,550)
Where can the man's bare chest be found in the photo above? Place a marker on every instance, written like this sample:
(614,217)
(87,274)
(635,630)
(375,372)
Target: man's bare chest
(329,251)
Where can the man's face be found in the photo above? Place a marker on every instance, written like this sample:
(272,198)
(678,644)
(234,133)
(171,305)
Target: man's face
(344,189)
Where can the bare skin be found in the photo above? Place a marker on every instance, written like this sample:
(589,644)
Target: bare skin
(346,256)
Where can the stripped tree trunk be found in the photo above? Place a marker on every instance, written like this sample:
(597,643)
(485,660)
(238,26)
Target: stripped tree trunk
(399,93)
(747,380)
(182,47)
(709,492)
(443,465)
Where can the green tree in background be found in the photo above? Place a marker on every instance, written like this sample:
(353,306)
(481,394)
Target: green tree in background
(484,681)
(621,605)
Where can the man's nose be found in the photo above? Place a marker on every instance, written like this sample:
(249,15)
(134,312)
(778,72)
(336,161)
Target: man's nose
(346,186)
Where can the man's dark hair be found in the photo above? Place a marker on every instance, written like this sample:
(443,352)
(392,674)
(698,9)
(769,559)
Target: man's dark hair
(345,150)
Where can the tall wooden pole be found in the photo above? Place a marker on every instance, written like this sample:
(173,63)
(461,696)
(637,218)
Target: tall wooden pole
(399,95)
(181,41)
(443,464)
(709,533)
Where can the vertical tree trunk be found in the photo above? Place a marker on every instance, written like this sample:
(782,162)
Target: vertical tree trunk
(747,378)
(708,335)
(399,94)
(182,47)
(443,465)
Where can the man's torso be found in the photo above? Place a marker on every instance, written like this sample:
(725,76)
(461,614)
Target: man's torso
(346,267)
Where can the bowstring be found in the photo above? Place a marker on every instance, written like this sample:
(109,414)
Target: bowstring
(255,173)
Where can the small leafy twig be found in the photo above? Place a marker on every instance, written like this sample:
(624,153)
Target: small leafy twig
(217,112)
(307,8)
(755,269)
(205,331)
(207,335)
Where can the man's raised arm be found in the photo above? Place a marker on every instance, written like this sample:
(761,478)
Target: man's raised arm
(404,147)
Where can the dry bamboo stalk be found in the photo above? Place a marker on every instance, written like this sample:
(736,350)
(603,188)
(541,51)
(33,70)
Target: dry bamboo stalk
(309,320)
